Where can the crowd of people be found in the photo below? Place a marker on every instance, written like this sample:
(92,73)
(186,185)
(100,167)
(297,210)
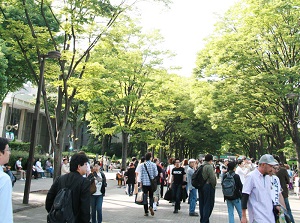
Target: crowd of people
(260,191)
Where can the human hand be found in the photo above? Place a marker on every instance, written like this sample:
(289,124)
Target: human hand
(244,220)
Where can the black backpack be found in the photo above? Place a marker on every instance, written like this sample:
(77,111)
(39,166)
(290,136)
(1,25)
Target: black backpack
(197,178)
(228,185)
(62,208)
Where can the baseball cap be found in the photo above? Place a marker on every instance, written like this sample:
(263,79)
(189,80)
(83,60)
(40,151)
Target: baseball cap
(192,160)
(269,159)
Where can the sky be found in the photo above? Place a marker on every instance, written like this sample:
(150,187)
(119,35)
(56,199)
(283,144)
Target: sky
(184,26)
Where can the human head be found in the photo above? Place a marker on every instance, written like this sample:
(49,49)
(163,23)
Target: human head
(4,151)
(131,165)
(156,161)
(225,161)
(266,163)
(192,162)
(78,163)
(133,159)
(177,162)
(65,160)
(148,156)
(171,160)
(185,162)
(208,158)
(231,166)
(240,163)
(142,159)
(96,166)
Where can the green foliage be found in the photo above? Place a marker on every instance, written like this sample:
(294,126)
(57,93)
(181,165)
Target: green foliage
(19,146)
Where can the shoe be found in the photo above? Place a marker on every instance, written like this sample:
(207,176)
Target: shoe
(179,207)
(194,214)
(43,177)
(157,204)
(175,211)
(21,179)
(173,203)
(151,211)
(146,214)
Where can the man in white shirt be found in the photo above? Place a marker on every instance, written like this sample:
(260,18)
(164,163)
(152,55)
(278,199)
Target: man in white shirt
(257,196)
(6,213)
(19,168)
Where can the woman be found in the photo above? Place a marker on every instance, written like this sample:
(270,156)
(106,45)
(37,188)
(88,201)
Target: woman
(120,177)
(130,174)
(39,168)
(97,197)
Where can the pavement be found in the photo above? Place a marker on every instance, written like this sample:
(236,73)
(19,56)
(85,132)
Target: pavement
(119,207)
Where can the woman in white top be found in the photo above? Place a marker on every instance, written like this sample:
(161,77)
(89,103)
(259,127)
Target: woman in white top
(169,170)
(39,168)
(241,170)
(97,197)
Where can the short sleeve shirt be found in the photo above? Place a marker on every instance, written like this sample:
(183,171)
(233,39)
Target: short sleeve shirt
(178,175)
(260,205)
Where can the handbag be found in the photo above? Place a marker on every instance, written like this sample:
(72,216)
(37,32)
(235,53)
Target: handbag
(93,187)
(168,195)
(152,181)
(139,198)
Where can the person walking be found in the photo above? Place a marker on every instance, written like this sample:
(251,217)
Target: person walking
(178,183)
(284,178)
(97,197)
(130,174)
(156,194)
(207,192)
(80,188)
(6,211)
(235,200)
(256,194)
(192,190)
(148,169)
(242,171)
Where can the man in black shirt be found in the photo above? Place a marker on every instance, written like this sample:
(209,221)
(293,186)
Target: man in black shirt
(178,183)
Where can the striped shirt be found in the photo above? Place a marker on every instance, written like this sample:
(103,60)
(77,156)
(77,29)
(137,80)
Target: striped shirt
(152,169)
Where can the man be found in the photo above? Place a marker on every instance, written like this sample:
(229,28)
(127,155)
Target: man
(192,190)
(159,176)
(6,212)
(178,183)
(79,185)
(284,178)
(257,192)
(235,200)
(224,168)
(207,193)
(65,167)
(146,183)
(19,168)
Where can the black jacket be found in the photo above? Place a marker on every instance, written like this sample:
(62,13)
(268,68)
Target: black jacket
(80,187)
(238,187)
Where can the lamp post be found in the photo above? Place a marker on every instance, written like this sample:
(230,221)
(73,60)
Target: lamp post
(51,54)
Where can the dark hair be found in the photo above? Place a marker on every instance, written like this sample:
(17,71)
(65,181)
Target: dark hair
(133,159)
(3,143)
(77,159)
(208,157)
(240,162)
(155,160)
(176,159)
(148,156)
(162,164)
(97,162)
(142,159)
(231,165)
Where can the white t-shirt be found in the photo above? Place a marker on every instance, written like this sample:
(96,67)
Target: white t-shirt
(242,172)
(169,172)
(138,170)
(260,205)
(98,181)
(6,212)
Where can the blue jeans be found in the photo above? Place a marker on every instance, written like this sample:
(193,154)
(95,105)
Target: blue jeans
(176,195)
(130,189)
(230,206)
(288,208)
(96,205)
(206,202)
(193,200)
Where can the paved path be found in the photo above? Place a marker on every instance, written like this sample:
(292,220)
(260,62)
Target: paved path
(119,207)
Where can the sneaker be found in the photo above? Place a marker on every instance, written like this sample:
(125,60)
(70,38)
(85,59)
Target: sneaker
(21,179)
(151,211)
(175,211)
(173,203)
(194,214)
(146,214)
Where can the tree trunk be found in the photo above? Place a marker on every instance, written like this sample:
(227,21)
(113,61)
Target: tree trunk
(124,148)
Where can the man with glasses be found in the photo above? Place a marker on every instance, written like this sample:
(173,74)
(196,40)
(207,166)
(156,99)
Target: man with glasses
(6,213)
(257,192)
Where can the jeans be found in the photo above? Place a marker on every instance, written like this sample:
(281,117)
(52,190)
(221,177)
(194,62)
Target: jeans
(230,206)
(130,189)
(288,208)
(96,205)
(176,194)
(147,189)
(193,200)
(206,202)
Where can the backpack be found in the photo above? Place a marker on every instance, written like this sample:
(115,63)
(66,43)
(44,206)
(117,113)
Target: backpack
(197,178)
(228,185)
(62,208)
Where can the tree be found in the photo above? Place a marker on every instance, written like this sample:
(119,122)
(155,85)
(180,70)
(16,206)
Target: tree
(256,56)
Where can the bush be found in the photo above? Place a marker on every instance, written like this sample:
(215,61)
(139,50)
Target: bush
(19,146)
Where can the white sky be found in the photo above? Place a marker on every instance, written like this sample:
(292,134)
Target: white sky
(184,26)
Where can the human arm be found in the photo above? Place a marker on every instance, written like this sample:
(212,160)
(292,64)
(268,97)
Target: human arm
(51,195)
(245,198)
(84,215)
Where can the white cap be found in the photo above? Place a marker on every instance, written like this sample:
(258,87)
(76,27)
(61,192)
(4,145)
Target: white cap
(269,159)
(192,160)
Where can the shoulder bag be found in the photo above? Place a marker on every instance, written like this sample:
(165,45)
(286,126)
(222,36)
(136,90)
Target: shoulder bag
(152,181)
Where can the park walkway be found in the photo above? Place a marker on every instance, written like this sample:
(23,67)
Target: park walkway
(119,207)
